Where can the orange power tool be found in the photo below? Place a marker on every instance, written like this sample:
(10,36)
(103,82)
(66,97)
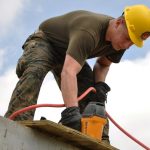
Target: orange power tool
(93,120)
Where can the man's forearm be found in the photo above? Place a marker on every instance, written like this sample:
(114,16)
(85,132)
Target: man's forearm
(100,72)
(101,69)
(69,89)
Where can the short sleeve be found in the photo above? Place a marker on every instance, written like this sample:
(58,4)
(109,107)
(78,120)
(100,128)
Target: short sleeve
(116,56)
(81,43)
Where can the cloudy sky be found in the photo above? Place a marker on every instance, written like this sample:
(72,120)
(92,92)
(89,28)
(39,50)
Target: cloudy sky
(129,99)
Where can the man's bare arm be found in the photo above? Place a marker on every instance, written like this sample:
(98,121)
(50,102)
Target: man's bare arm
(101,69)
(69,81)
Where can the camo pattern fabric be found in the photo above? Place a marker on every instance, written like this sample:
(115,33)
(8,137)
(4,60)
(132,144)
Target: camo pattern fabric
(37,60)
(32,67)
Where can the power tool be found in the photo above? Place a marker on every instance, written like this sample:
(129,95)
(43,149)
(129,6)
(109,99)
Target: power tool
(93,120)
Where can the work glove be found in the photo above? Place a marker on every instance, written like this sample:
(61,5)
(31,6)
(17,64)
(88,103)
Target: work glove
(101,92)
(71,117)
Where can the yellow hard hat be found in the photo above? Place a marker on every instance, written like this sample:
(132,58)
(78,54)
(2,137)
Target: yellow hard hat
(137,19)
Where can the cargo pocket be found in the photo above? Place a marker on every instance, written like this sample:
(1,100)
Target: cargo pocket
(20,67)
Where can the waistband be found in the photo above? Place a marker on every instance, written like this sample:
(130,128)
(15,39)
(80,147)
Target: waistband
(38,34)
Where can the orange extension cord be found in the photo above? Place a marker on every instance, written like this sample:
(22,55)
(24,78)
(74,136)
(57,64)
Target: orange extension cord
(79,98)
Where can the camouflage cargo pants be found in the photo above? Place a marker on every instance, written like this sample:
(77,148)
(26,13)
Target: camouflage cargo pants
(37,60)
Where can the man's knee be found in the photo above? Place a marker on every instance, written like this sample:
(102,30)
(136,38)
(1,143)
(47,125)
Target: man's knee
(86,73)
(36,71)
(85,80)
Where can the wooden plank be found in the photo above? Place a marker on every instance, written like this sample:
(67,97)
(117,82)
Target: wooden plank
(68,135)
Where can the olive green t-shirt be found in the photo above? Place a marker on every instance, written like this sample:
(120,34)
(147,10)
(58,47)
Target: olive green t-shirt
(81,34)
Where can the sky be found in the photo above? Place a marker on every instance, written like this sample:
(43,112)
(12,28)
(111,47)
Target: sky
(129,99)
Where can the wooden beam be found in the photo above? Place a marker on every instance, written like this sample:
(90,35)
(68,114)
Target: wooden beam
(68,135)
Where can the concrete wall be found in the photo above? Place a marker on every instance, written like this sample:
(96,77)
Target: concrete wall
(14,136)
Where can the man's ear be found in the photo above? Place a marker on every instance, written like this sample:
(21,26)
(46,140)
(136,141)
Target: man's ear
(145,35)
(119,21)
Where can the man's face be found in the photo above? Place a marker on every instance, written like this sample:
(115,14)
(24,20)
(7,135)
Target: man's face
(120,38)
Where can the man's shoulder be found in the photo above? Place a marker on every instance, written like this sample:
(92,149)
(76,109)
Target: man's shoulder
(89,13)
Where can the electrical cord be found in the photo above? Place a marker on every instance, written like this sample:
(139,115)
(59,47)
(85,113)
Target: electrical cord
(79,98)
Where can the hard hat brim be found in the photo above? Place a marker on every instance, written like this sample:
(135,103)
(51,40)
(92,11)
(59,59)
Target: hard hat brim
(137,41)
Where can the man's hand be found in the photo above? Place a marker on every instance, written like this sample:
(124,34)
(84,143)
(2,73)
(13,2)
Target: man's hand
(71,117)
(101,91)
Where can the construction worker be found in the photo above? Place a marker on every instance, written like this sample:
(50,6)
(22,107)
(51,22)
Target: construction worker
(63,44)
